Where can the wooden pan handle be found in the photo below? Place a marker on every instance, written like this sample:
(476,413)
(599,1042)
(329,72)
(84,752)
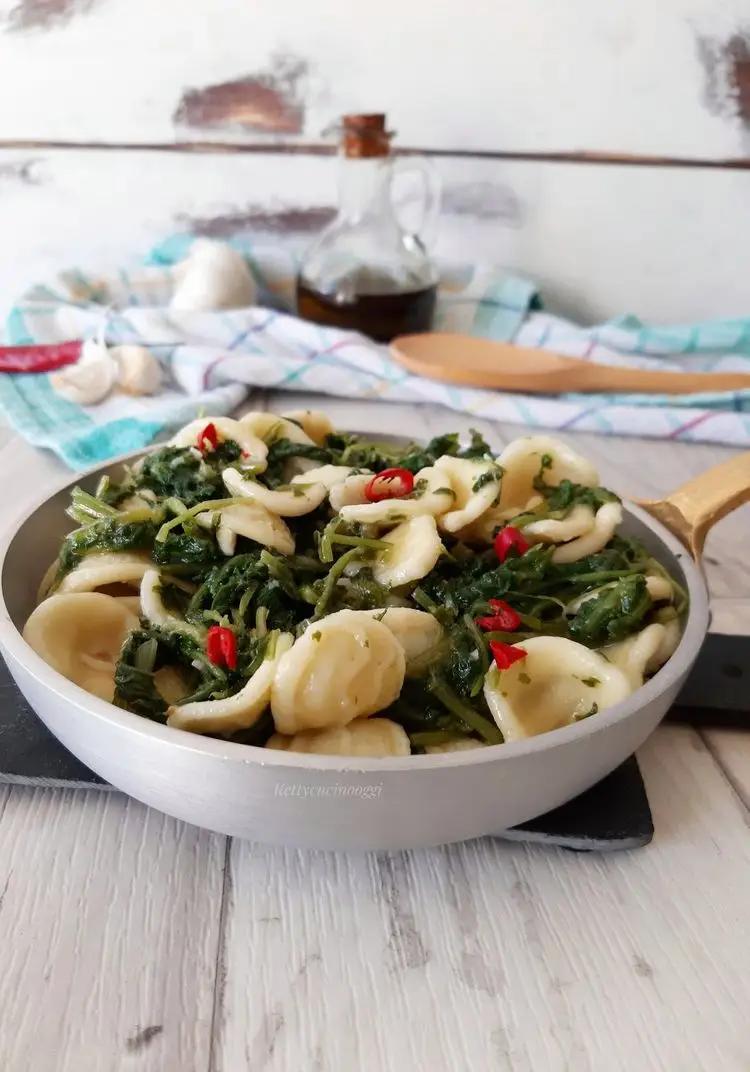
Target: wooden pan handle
(691,511)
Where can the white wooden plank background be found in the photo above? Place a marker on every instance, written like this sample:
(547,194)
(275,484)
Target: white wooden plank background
(664,243)
(116,921)
(580,75)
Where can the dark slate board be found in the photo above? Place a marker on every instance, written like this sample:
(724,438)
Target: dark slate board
(614,814)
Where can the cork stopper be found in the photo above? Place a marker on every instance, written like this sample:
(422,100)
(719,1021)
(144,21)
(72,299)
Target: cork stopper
(365,135)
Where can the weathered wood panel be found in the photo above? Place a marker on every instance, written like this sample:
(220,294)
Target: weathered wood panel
(667,244)
(667,78)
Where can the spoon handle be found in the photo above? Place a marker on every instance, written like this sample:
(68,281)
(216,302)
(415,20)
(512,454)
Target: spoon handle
(691,510)
(592,377)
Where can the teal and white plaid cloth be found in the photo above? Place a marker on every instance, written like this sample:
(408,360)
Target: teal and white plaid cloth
(213,360)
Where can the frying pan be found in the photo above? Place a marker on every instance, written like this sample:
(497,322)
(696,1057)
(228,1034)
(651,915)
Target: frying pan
(338,802)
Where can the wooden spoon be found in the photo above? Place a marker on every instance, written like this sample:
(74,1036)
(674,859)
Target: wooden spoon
(480,362)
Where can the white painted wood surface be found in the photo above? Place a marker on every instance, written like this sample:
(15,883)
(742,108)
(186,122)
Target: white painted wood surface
(669,245)
(115,921)
(580,75)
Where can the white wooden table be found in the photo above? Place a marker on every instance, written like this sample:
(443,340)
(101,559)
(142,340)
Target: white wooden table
(134,942)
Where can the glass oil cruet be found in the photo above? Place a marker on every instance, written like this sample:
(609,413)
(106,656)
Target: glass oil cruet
(365,272)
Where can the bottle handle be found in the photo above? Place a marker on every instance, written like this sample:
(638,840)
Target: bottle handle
(426,233)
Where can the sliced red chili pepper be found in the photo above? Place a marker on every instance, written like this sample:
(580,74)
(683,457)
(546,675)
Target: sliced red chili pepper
(228,643)
(44,357)
(505,619)
(213,645)
(506,654)
(508,538)
(208,438)
(221,647)
(390,484)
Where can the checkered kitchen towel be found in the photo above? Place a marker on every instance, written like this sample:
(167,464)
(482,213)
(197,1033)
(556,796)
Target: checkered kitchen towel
(212,360)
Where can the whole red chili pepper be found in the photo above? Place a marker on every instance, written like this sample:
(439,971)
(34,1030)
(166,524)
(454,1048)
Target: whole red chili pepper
(43,357)
(505,619)
(505,654)
(507,538)
(221,647)
(208,438)
(390,484)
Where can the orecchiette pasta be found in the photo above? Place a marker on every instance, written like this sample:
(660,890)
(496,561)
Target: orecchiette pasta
(414,548)
(255,450)
(636,653)
(466,744)
(521,462)
(417,632)
(270,427)
(578,522)
(432,495)
(475,486)
(235,712)
(328,475)
(343,667)
(350,492)
(606,520)
(558,683)
(80,634)
(249,519)
(314,423)
(294,500)
(377,738)
(106,567)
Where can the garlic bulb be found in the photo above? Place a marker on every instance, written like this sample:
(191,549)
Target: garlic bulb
(213,276)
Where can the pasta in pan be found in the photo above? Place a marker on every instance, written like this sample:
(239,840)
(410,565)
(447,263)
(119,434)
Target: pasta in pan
(271,581)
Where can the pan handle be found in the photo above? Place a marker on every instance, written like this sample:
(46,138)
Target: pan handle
(691,511)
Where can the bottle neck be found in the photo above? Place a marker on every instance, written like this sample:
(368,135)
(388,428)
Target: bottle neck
(364,188)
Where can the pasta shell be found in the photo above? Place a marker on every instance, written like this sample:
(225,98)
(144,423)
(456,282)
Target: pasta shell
(636,653)
(521,461)
(350,492)
(330,475)
(80,635)
(417,632)
(343,667)
(235,712)
(578,522)
(475,486)
(414,548)
(293,500)
(377,738)
(101,568)
(606,520)
(270,427)
(255,450)
(557,683)
(659,588)
(435,497)
(153,609)
(315,424)
(464,744)
(249,519)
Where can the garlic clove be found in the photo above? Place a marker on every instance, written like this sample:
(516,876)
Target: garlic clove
(88,381)
(138,371)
